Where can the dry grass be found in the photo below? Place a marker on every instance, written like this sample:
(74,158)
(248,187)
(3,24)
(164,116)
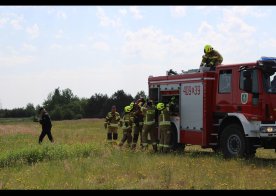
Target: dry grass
(111,167)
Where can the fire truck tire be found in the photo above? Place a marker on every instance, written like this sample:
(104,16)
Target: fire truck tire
(250,150)
(233,142)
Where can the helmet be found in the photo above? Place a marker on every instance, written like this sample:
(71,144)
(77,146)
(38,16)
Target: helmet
(160,106)
(208,48)
(128,108)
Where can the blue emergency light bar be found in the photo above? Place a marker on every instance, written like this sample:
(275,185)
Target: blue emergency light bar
(264,58)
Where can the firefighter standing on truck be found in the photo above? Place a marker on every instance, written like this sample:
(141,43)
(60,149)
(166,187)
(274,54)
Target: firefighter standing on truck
(138,121)
(127,127)
(211,58)
(112,121)
(164,127)
(149,125)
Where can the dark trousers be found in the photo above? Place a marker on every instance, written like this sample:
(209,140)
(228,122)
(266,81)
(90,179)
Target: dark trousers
(46,131)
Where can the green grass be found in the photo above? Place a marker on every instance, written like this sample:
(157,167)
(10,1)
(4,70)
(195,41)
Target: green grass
(80,158)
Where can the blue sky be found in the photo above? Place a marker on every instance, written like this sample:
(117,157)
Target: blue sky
(101,49)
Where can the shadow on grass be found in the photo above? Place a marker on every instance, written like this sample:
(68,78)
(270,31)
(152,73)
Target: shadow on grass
(261,162)
(255,161)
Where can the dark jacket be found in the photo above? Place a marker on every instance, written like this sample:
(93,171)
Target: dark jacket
(45,121)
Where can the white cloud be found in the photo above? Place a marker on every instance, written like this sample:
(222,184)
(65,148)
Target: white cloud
(33,31)
(247,11)
(57,12)
(3,21)
(101,46)
(232,23)
(16,22)
(28,47)
(146,43)
(134,10)
(178,11)
(55,46)
(61,14)
(15,60)
(11,19)
(59,34)
(105,20)
(123,12)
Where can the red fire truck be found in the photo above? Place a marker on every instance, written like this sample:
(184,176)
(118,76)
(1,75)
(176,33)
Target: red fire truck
(231,109)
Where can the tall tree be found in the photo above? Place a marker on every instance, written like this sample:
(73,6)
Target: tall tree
(121,99)
(140,94)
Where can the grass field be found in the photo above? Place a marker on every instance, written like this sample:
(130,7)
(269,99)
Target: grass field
(81,159)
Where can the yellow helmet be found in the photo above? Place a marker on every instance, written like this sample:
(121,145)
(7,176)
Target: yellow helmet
(128,108)
(160,106)
(208,48)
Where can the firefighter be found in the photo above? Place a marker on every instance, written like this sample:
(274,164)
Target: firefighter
(112,121)
(164,127)
(149,125)
(46,123)
(211,58)
(127,127)
(138,122)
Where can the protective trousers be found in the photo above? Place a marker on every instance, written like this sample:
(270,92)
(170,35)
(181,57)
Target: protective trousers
(126,137)
(137,131)
(46,131)
(165,138)
(149,129)
(110,131)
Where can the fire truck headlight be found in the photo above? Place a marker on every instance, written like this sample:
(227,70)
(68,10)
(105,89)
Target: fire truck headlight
(268,129)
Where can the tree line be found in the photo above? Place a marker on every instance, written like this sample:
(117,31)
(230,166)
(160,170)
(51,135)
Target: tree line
(64,105)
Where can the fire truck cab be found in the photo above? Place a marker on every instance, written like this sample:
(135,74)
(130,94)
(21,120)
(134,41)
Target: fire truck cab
(231,109)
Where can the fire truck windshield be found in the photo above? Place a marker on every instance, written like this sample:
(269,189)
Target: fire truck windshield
(270,81)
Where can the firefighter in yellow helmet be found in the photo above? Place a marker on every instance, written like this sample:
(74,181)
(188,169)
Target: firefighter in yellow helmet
(211,58)
(112,121)
(127,127)
(164,127)
(149,125)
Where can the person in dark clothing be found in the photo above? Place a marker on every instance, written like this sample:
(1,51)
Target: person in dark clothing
(46,123)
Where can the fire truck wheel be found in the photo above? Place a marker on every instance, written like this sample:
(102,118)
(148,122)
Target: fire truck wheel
(232,141)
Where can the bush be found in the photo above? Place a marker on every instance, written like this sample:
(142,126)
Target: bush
(68,114)
(57,113)
(36,154)
(78,116)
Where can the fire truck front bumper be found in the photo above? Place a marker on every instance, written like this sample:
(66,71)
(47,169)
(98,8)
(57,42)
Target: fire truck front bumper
(268,136)
(268,131)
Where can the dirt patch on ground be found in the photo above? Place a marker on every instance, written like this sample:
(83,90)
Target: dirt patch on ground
(14,129)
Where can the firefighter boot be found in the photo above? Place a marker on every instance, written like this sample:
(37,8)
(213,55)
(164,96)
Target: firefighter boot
(109,137)
(123,140)
(134,141)
(133,146)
